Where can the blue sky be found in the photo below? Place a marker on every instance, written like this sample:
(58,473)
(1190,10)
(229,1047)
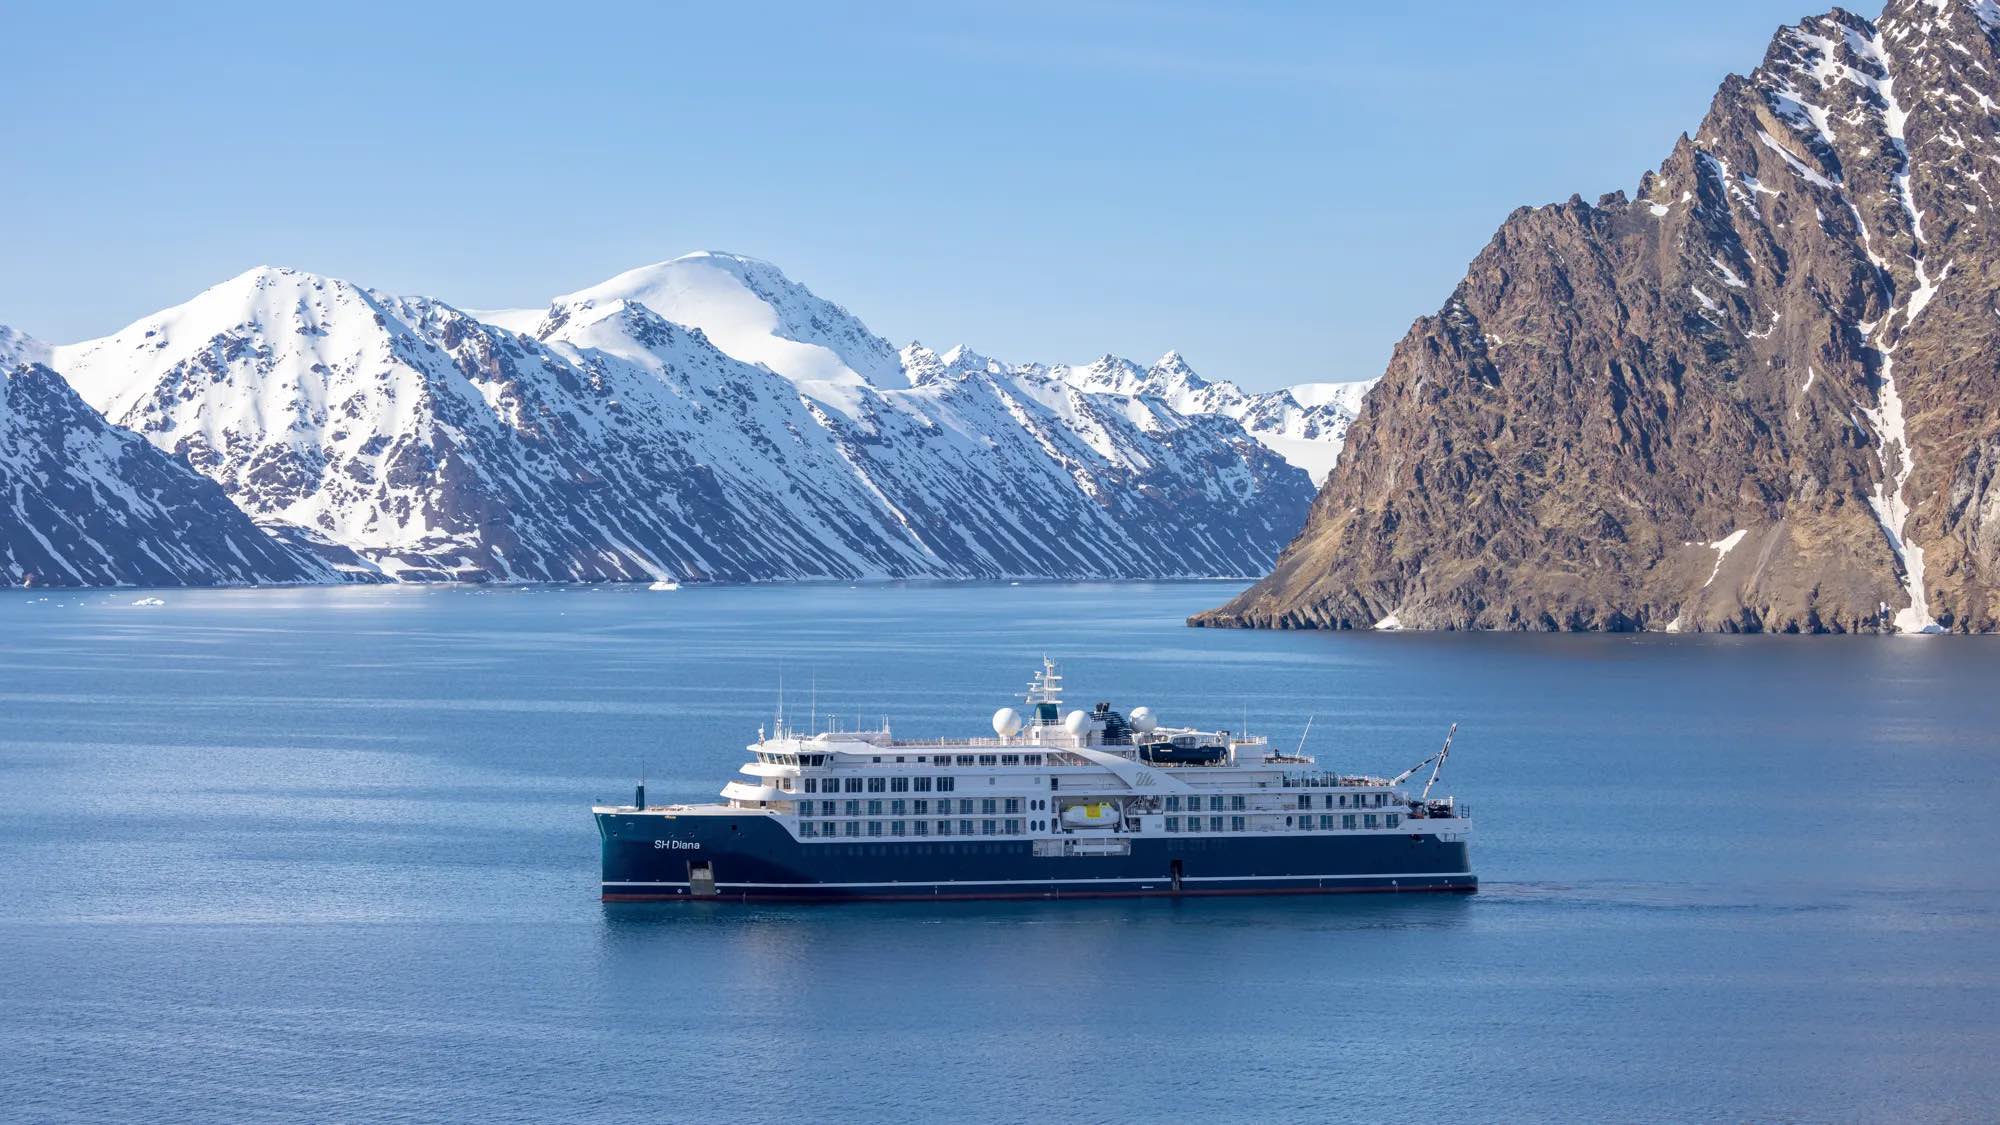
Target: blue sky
(1276,191)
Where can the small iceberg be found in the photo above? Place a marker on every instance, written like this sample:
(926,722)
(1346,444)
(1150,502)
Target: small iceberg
(149,601)
(664,585)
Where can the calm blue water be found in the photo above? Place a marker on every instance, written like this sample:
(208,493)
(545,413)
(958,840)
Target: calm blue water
(325,855)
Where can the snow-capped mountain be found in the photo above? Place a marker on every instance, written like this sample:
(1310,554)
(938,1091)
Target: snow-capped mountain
(85,503)
(705,417)
(1305,424)
(753,312)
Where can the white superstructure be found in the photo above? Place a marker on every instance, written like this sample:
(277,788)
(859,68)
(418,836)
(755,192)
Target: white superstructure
(1085,782)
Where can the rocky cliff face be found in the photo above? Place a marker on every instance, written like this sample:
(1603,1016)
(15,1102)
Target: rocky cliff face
(1763,394)
(83,503)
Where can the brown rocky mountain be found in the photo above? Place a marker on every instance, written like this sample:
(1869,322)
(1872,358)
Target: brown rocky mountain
(1762,395)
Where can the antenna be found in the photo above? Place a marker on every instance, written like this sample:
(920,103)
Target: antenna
(814,727)
(1441,756)
(1301,751)
(779,719)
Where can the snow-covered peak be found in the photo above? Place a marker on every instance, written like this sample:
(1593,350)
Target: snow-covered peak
(751,311)
(1172,370)
(282,312)
(1347,396)
(963,359)
(17,347)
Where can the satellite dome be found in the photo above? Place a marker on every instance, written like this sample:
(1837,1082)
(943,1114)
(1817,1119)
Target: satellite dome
(1142,720)
(1006,722)
(1076,722)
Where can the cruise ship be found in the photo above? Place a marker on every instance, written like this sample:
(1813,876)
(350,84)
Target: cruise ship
(1085,804)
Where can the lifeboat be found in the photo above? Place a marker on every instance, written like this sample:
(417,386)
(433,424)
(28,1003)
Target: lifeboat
(1097,814)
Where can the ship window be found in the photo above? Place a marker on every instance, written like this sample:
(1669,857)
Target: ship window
(921,806)
(853,808)
(1368,821)
(1173,822)
(895,828)
(854,785)
(807,828)
(1215,822)
(1347,821)
(923,785)
(812,785)
(875,808)
(899,785)
(1236,802)
(1305,800)
(944,827)
(1010,759)
(1236,824)
(854,828)
(805,808)
(874,828)
(922,828)
(896,807)
(965,828)
(989,759)
(1215,804)
(947,784)
(965,804)
(965,759)
(877,784)
(1014,828)
(1393,820)
(899,759)
(987,827)
(826,808)
(1013,805)
(989,806)
(1032,759)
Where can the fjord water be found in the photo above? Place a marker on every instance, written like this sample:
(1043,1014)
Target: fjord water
(326,855)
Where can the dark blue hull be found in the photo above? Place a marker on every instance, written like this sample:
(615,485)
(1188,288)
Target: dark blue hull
(651,857)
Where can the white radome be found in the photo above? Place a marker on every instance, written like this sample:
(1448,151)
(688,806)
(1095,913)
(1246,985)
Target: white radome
(1006,722)
(1076,722)
(1142,720)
